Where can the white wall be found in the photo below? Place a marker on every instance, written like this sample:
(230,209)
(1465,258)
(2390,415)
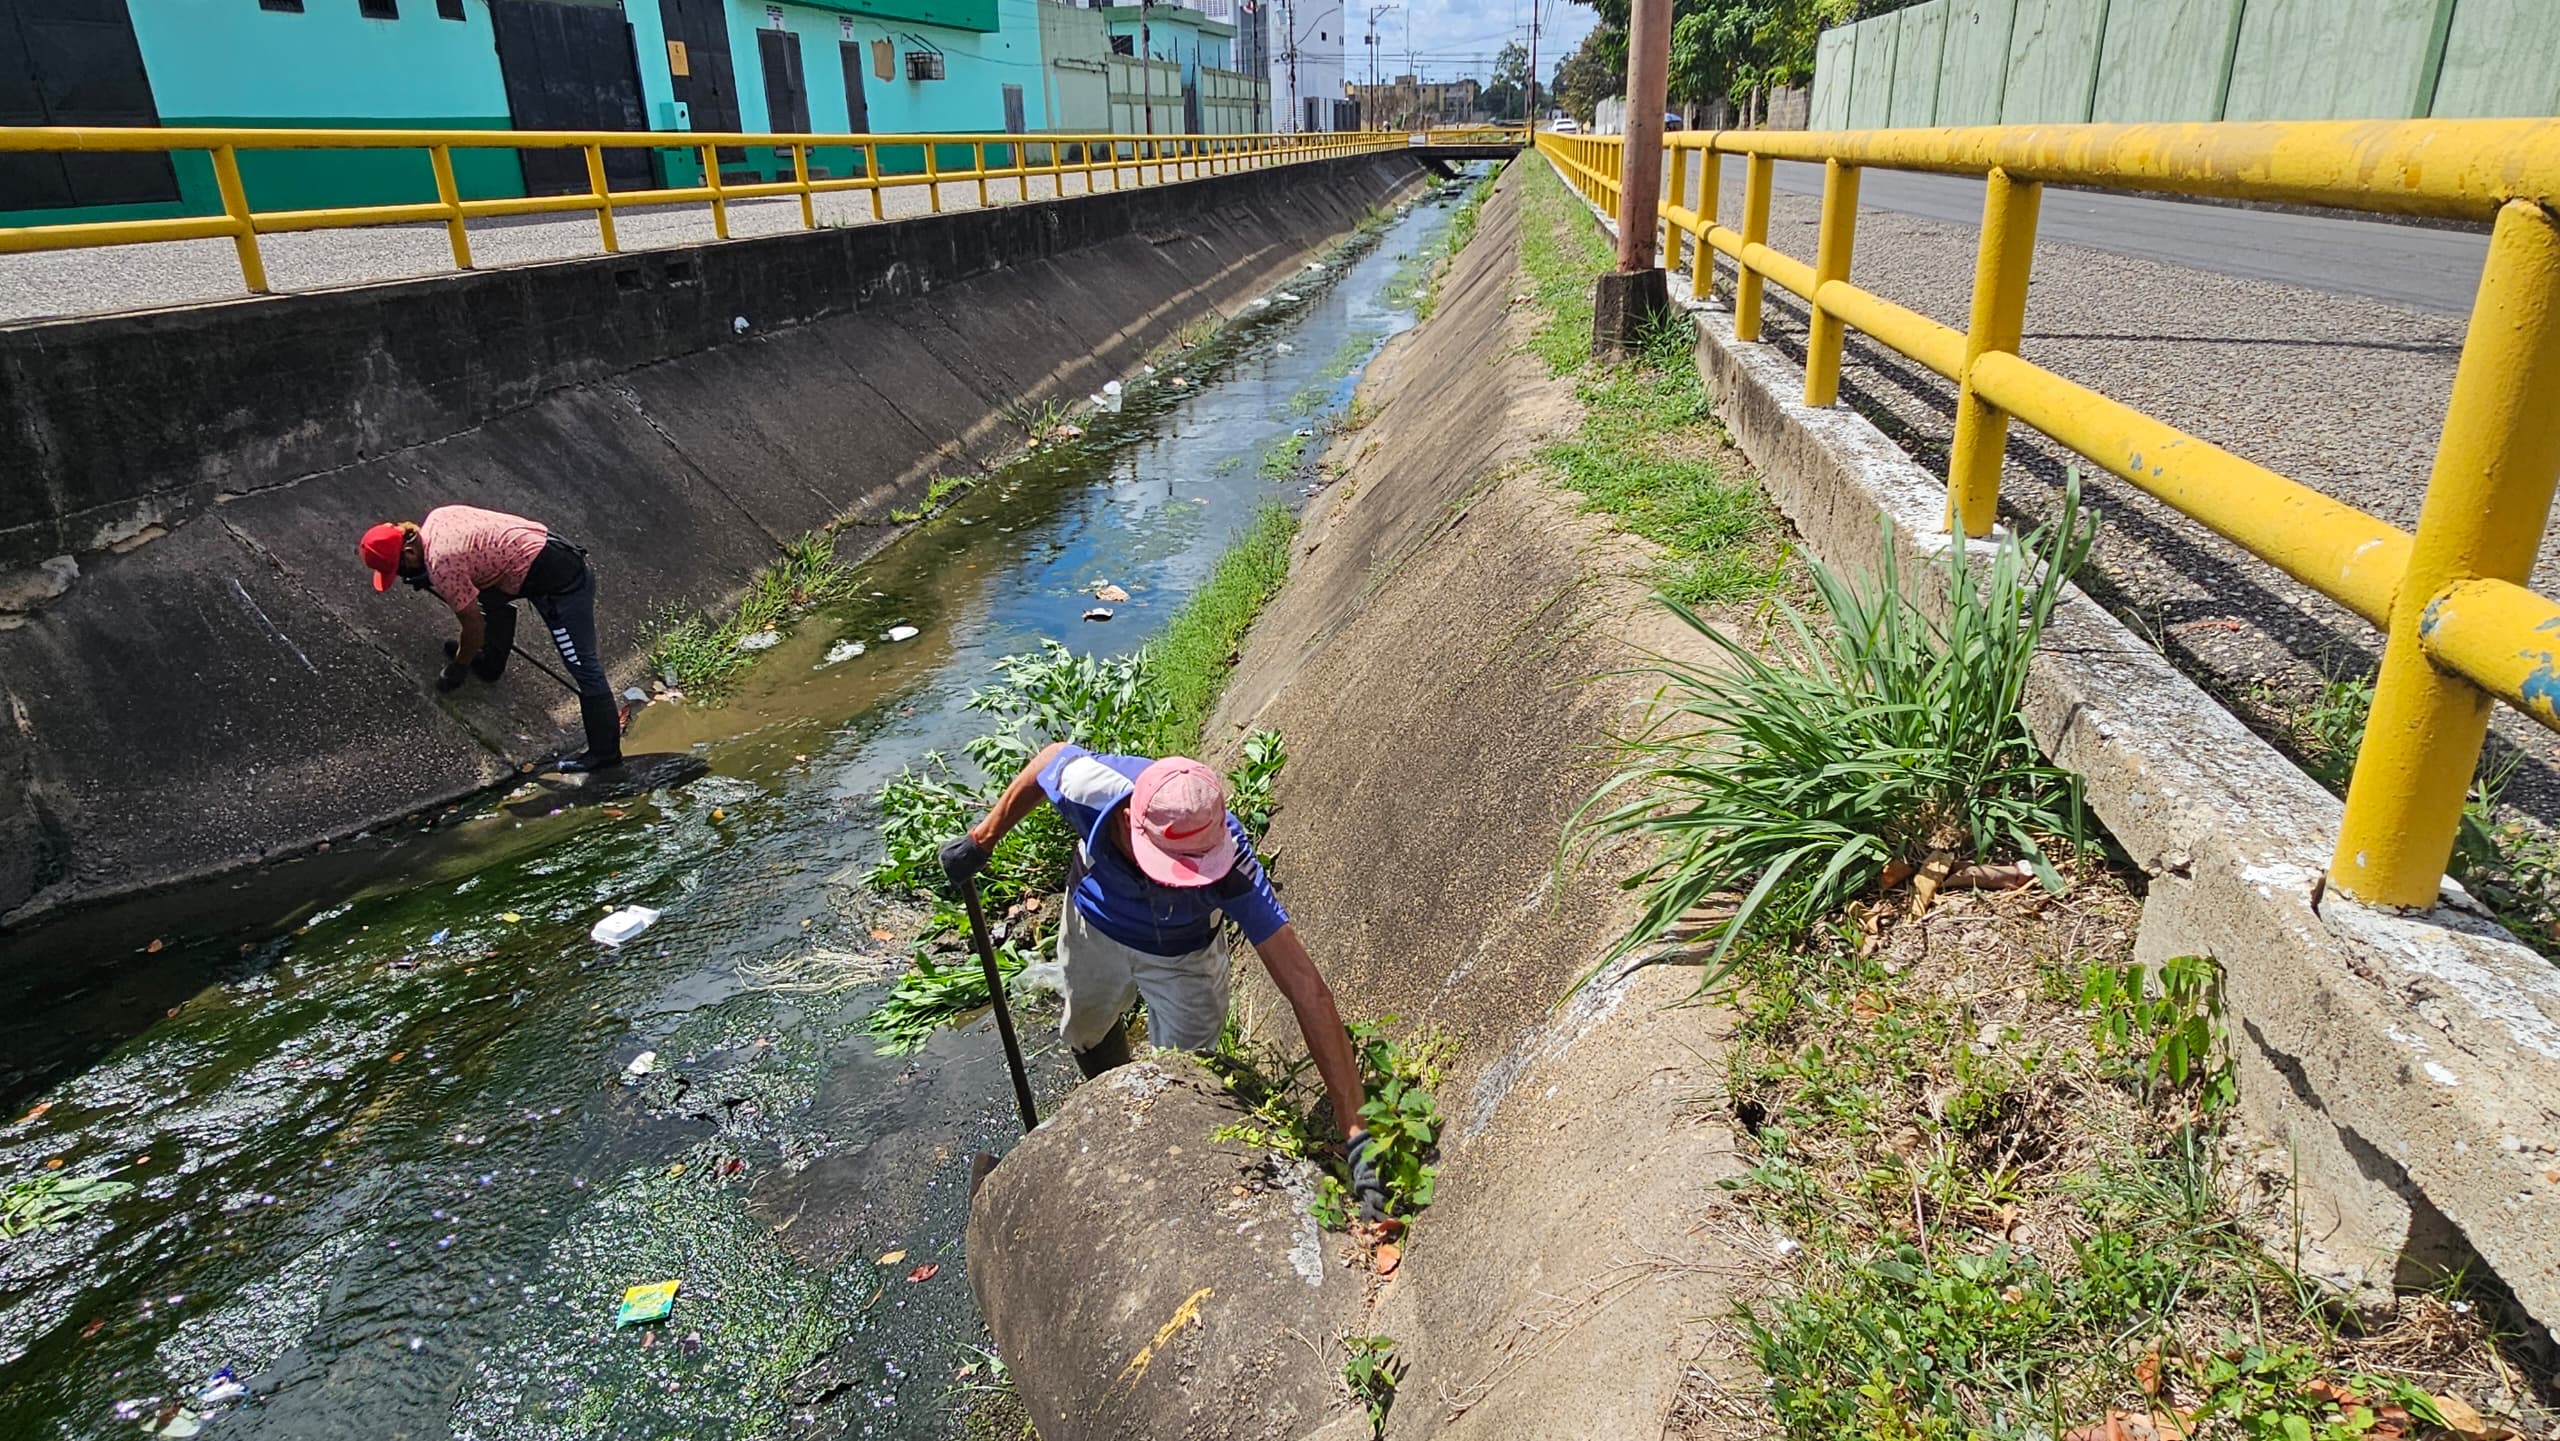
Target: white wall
(1318,24)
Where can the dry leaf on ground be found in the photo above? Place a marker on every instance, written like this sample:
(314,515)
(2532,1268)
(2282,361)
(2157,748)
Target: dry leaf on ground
(891,1258)
(923,1273)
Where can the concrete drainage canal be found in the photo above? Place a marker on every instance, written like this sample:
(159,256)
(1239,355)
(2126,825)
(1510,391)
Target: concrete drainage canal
(400,1134)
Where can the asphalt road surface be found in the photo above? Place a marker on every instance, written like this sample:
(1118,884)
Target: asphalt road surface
(2414,265)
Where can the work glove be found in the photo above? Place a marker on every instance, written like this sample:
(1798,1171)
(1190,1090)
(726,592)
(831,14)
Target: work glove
(962,859)
(1366,1188)
(452,675)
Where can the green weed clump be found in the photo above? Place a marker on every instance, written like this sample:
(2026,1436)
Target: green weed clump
(1399,1081)
(701,656)
(936,495)
(1282,460)
(42,1202)
(1371,1374)
(1777,790)
(1152,703)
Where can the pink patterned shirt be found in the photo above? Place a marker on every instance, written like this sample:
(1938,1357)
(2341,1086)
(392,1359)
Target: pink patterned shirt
(470,550)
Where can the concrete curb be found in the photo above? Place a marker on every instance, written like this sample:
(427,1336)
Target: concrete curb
(2410,1062)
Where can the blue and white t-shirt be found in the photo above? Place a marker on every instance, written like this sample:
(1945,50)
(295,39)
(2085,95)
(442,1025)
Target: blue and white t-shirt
(1117,899)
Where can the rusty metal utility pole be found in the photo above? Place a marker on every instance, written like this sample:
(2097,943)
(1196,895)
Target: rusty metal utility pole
(1626,300)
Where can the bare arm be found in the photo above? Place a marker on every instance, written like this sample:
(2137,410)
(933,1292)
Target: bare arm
(1021,797)
(1294,972)
(475,633)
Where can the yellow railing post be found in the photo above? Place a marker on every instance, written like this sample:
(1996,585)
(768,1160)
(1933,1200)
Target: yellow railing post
(449,195)
(800,177)
(1674,198)
(871,166)
(719,202)
(604,201)
(1758,174)
(1824,335)
(2487,502)
(978,153)
(933,175)
(2002,262)
(235,203)
(1702,256)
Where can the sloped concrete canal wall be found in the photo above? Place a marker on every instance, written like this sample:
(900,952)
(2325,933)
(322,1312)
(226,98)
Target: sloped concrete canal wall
(197,674)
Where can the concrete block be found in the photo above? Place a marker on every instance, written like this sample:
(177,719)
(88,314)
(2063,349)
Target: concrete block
(2411,1062)
(1623,304)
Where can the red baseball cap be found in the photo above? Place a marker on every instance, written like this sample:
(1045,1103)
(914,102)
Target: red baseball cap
(1178,824)
(381,548)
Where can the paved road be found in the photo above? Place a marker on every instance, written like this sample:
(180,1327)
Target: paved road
(2414,265)
(192,272)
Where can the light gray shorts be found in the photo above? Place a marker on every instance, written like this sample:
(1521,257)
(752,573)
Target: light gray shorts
(1186,996)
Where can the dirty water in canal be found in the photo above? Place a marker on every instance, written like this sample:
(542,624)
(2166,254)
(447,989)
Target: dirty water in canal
(394,1163)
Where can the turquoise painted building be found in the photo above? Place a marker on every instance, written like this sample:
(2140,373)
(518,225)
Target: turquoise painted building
(952,67)
(358,64)
(837,66)
(958,66)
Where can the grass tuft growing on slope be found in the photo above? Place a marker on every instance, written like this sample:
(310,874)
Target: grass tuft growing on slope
(702,655)
(1777,790)
(1649,454)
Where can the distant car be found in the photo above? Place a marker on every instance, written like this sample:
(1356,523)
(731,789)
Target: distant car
(1671,121)
(1566,126)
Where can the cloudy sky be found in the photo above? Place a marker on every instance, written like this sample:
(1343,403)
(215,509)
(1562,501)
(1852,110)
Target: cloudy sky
(1451,38)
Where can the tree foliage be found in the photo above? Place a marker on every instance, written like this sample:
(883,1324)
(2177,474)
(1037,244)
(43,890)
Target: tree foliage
(1720,49)
(1507,97)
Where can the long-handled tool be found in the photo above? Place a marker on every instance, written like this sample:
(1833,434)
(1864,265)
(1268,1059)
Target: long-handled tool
(1004,1013)
(528,659)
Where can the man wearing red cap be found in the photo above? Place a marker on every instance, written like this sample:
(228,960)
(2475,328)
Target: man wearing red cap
(482,561)
(1159,861)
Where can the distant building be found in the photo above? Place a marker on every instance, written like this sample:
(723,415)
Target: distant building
(1406,103)
(1306,40)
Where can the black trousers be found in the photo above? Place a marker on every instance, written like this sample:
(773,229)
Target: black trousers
(563,589)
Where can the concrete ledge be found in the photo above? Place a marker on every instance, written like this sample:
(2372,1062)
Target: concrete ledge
(2410,1062)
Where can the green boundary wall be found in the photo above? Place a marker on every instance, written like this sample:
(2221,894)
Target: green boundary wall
(2027,62)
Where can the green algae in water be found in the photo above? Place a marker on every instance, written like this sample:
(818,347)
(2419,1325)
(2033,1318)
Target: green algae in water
(752,1319)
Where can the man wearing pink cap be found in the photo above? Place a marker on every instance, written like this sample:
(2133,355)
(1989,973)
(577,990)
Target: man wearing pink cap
(1159,862)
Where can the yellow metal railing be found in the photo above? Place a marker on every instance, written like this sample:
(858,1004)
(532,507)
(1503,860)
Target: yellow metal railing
(1120,156)
(2461,628)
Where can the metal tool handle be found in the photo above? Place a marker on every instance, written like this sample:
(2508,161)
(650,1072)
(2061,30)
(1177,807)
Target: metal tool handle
(1004,1013)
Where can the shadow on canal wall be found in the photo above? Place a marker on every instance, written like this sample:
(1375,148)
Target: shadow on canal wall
(217,684)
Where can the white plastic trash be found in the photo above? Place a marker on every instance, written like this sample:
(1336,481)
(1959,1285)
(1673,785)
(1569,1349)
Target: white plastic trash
(622,925)
(761,640)
(903,632)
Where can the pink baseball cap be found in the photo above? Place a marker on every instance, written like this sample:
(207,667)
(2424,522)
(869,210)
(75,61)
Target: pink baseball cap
(1178,824)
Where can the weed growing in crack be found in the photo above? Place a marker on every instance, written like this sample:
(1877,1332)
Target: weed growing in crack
(1399,1079)
(1371,1374)
(936,495)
